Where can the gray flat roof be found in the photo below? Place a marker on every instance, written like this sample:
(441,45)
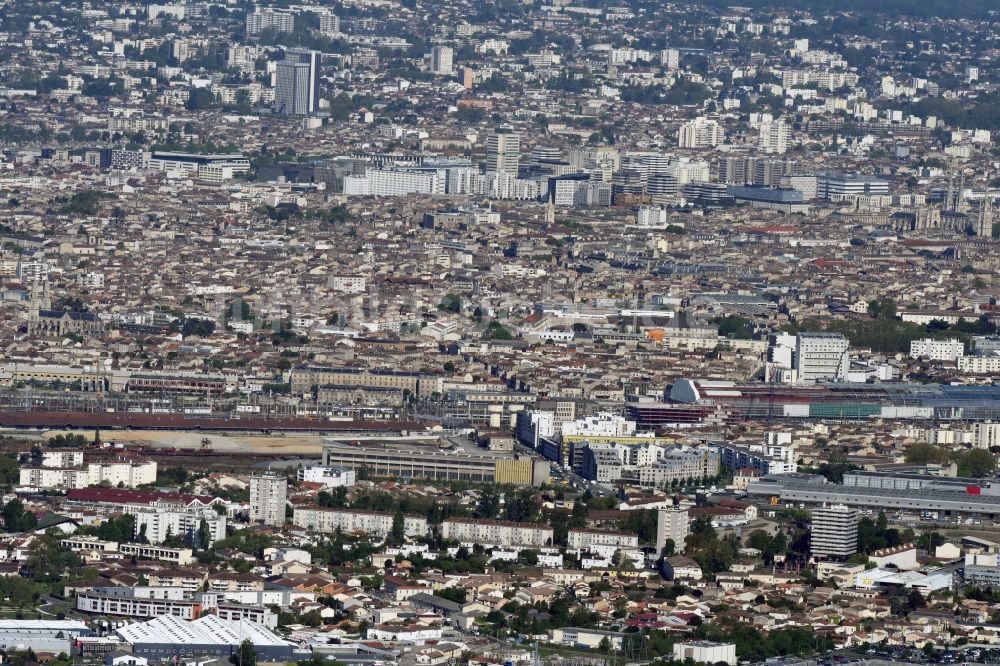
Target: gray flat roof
(921,500)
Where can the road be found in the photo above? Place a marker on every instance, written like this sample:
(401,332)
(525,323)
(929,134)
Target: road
(558,472)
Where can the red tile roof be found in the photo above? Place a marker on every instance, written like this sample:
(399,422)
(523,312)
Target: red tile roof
(125,496)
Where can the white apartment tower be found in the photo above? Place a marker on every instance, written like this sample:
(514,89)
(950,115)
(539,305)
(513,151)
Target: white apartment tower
(937,350)
(673,524)
(834,531)
(670,58)
(985,435)
(441,60)
(700,133)
(329,24)
(821,357)
(268,496)
(263,19)
(774,137)
(503,151)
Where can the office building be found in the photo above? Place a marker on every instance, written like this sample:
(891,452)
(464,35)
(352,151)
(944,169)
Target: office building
(662,187)
(705,193)
(700,133)
(213,168)
(838,185)
(441,60)
(821,357)
(786,200)
(627,186)
(291,93)
(125,160)
(771,171)
(834,531)
(297,86)
(672,524)
(503,151)
(268,497)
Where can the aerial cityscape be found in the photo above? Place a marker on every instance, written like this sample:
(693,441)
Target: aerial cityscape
(499,333)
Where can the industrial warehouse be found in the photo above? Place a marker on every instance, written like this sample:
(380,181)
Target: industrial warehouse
(958,498)
(167,637)
(699,401)
(444,460)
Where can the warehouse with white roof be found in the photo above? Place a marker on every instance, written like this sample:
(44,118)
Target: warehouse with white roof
(40,635)
(165,637)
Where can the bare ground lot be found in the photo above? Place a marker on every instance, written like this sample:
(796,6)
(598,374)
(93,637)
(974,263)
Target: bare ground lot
(291,445)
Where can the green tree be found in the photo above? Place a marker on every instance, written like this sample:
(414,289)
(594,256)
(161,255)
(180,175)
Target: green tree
(976,463)
(498,331)
(16,519)
(732,326)
(200,98)
(247,655)
(883,308)
(47,561)
(489,503)
(451,303)
(341,107)
(9,471)
(204,535)
(929,541)
(456,594)
(922,453)
(398,531)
